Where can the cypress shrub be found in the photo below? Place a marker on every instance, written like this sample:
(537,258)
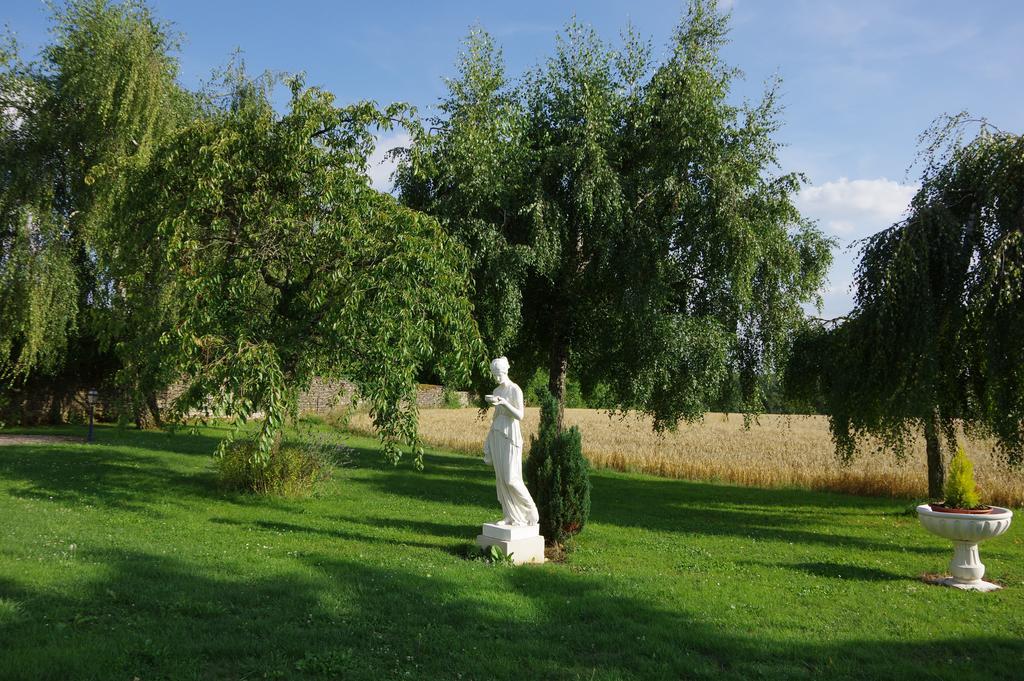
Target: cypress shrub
(960,488)
(558,476)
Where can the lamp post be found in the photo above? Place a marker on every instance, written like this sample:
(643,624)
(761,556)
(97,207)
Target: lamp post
(91,397)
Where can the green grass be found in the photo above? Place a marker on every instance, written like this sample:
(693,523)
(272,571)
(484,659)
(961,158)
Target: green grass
(123,559)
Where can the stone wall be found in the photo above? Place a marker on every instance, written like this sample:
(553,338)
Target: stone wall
(325,396)
(53,403)
(432,397)
(44,403)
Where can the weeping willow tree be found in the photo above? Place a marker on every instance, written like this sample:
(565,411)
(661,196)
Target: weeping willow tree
(98,101)
(626,220)
(934,339)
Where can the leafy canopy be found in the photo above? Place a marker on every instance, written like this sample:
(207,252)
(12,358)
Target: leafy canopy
(623,217)
(100,99)
(287,265)
(939,316)
(210,236)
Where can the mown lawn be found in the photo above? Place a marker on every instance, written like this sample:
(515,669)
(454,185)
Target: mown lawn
(123,559)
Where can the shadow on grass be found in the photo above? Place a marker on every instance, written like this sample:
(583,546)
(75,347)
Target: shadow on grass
(130,469)
(121,469)
(321,616)
(440,530)
(848,571)
(829,570)
(779,515)
(161,617)
(392,543)
(179,439)
(446,479)
(678,506)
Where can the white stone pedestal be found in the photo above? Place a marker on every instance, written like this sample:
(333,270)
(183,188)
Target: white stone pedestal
(522,542)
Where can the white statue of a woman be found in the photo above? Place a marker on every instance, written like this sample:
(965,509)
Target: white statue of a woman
(503,449)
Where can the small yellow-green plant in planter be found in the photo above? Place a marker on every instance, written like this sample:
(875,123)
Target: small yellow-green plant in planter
(960,488)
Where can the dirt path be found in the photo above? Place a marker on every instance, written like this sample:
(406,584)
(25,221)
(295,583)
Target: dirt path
(37,439)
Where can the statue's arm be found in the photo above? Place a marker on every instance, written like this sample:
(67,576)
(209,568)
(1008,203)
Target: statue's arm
(515,405)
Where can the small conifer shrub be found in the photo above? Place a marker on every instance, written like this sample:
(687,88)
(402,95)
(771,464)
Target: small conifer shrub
(558,476)
(960,488)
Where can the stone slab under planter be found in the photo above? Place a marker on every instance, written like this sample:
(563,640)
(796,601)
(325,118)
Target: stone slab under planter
(980,585)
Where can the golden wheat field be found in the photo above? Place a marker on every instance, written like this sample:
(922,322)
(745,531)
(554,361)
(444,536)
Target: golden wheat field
(776,451)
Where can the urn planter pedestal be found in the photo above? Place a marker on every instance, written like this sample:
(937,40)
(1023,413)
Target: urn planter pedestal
(966,530)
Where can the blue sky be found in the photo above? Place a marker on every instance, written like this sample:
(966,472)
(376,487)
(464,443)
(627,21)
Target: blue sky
(861,79)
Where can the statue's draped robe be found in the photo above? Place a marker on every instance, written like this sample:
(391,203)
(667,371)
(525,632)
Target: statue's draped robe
(503,449)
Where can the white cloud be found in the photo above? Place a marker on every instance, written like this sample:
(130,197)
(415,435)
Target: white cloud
(20,97)
(379,168)
(852,209)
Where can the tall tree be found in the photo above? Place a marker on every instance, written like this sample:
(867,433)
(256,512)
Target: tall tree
(288,266)
(102,96)
(935,336)
(625,219)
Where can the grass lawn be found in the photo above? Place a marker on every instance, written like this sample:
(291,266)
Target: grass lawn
(123,559)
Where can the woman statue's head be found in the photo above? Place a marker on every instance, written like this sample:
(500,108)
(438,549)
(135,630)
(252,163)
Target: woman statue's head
(499,368)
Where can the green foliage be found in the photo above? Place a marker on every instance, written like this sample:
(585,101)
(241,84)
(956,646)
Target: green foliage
(495,555)
(537,387)
(289,266)
(600,396)
(295,469)
(492,555)
(101,98)
(934,338)
(38,297)
(960,488)
(211,236)
(450,398)
(474,170)
(625,221)
(558,476)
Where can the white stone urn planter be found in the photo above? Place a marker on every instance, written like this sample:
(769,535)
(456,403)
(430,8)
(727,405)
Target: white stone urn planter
(966,530)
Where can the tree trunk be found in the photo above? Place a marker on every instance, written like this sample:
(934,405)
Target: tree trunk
(154,410)
(143,419)
(563,323)
(147,415)
(936,458)
(556,381)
